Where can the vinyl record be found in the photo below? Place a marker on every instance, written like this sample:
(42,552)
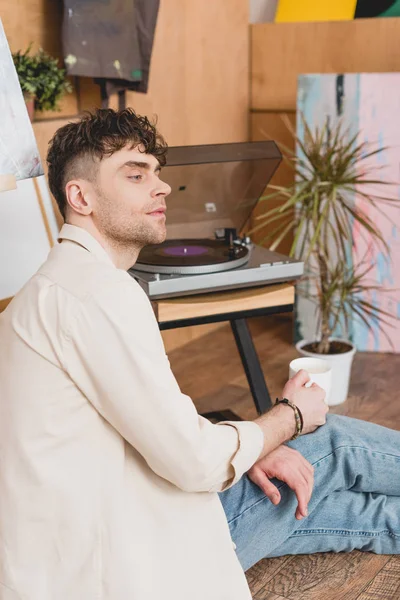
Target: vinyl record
(191,256)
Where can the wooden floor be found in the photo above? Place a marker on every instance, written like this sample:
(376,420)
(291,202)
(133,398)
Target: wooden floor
(210,371)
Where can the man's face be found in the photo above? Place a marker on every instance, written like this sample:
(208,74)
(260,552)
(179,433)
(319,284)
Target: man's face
(129,203)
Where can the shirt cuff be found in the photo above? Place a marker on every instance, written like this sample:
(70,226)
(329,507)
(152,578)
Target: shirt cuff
(251,443)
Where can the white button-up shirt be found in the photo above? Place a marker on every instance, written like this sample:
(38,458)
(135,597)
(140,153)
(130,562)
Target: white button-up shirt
(108,475)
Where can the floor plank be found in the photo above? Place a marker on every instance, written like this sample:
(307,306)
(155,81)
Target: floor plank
(264,571)
(270,596)
(322,575)
(210,371)
(386,584)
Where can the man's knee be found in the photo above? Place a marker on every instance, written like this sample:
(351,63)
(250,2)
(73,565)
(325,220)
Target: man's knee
(336,431)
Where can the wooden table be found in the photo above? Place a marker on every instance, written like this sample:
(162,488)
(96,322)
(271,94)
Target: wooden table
(235,307)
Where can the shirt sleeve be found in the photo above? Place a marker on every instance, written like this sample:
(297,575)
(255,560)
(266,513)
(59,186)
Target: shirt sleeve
(115,355)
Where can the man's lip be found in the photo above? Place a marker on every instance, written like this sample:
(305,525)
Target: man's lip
(158,210)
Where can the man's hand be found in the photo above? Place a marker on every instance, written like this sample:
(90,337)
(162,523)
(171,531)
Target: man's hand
(292,468)
(310,401)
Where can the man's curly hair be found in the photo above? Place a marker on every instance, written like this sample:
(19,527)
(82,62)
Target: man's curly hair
(77,148)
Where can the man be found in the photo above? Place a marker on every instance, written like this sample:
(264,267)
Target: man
(112,487)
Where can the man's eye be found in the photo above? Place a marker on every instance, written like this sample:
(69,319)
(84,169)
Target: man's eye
(135,177)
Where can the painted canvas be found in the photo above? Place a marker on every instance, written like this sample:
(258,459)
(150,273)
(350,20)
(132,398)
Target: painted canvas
(377,8)
(19,154)
(315,10)
(335,10)
(366,102)
(28,226)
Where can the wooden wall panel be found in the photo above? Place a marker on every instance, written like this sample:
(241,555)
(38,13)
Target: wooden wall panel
(272,126)
(38,22)
(281,51)
(199,81)
(33,21)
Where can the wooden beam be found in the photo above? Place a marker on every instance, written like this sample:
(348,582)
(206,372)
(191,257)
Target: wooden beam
(202,305)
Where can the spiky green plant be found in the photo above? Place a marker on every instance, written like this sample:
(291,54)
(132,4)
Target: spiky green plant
(329,195)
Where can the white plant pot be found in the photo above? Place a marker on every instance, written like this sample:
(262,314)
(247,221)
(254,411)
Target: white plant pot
(341,370)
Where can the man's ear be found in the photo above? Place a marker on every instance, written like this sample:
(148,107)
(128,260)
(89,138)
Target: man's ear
(79,196)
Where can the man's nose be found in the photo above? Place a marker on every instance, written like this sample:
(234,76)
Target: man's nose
(164,189)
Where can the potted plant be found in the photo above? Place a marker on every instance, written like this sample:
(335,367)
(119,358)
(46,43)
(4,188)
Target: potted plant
(330,196)
(42,81)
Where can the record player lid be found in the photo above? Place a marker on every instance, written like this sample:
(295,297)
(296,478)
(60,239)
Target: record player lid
(216,186)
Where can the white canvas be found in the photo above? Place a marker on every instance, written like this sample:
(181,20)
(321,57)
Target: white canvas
(24,240)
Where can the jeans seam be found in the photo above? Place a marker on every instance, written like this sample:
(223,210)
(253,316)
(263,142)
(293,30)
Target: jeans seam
(344,532)
(318,461)
(357,448)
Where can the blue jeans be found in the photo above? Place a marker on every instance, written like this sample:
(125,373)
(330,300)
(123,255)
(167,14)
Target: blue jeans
(355,502)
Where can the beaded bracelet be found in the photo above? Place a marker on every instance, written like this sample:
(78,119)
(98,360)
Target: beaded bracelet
(297,414)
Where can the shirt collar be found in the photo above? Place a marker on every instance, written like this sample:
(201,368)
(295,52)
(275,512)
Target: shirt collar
(86,240)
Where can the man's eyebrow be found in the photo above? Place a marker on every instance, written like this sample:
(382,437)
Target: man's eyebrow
(142,165)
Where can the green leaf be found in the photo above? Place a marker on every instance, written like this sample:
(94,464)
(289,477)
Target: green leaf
(40,75)
(276,231)
(282,235)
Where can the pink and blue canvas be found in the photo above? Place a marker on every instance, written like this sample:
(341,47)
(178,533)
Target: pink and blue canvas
(368,103)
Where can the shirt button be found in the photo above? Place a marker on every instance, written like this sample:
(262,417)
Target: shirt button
(234,545)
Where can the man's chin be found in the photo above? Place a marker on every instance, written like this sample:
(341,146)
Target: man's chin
(154,240)
(160,237)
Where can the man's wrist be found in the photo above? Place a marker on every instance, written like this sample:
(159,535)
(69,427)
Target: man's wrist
(297,414)
(287,418)
(278,426)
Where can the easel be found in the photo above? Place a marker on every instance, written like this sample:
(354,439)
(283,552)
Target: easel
(105,100)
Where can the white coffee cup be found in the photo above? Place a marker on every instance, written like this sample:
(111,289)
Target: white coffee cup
(319,370)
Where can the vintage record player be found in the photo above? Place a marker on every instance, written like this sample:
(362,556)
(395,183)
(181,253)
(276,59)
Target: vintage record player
(214,190)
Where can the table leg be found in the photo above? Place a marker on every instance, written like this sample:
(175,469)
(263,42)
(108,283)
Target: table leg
(251,364)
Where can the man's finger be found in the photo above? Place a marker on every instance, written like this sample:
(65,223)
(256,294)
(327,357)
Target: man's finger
(301,378)
(308,478)
(301,481)
(269,489)
(302,490)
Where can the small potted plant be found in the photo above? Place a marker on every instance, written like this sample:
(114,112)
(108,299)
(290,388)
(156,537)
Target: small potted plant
(42,81)
(331,194)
